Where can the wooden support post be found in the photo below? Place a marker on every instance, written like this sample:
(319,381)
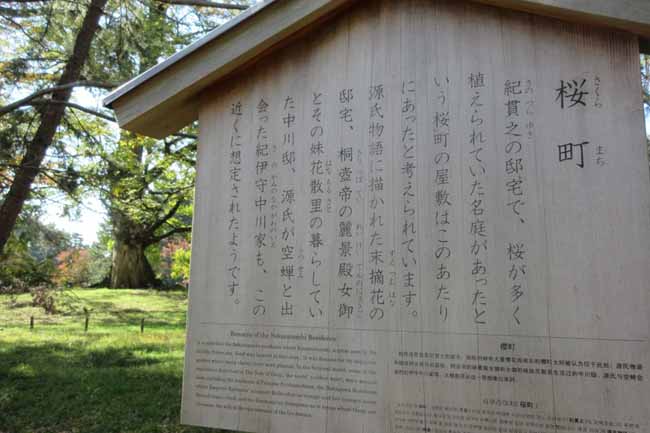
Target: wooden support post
(142,326)
(87,314)
(31,323)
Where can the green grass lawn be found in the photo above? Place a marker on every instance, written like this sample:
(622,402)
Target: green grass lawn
(56,378)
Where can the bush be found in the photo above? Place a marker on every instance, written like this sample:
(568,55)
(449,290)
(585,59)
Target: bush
(28,259)
(19,270)
(181,266)
(73,268)
(44,297)
(173,265)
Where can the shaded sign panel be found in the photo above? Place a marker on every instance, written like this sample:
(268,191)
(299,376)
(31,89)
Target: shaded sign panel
(425,216)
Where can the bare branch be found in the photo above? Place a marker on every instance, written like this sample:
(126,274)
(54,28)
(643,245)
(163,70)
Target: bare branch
(206,3)
(26,100)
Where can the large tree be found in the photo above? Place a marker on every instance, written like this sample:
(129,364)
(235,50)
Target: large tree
(149,199)
(144,184)
(50,113)
(147,184)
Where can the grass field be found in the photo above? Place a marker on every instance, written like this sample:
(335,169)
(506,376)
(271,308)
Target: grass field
(57,378)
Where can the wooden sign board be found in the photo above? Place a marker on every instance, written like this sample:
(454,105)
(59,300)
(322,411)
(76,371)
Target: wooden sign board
(425,216)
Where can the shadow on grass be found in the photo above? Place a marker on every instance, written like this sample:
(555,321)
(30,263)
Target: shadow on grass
(61,388)
(151,322)
(161,319)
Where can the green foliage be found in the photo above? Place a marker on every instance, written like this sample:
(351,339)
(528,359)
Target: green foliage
(153,256)
(144,184)
(169,270)
(38,256)
(29,259)
(181,266)
(73,267)
(113,379)
(100,259)
(20,270)
(37,40)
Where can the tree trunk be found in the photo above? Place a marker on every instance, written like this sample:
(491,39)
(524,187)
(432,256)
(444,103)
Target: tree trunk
(130,268)
(50,118)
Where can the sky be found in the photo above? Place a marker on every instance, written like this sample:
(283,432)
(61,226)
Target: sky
(86,225)
(91,213)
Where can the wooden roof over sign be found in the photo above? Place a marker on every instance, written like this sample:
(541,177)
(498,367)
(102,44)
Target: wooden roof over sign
(163,99)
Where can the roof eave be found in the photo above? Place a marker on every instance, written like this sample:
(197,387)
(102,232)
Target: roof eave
(162,100)
(180,55)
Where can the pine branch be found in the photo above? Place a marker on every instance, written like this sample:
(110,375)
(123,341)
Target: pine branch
(26,100)
(73,105)
(50,119)
(206,3)
(18,12)
(96,113)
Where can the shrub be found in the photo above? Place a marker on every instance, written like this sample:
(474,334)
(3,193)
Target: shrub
(73,267)
(181,266)
(45,297)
